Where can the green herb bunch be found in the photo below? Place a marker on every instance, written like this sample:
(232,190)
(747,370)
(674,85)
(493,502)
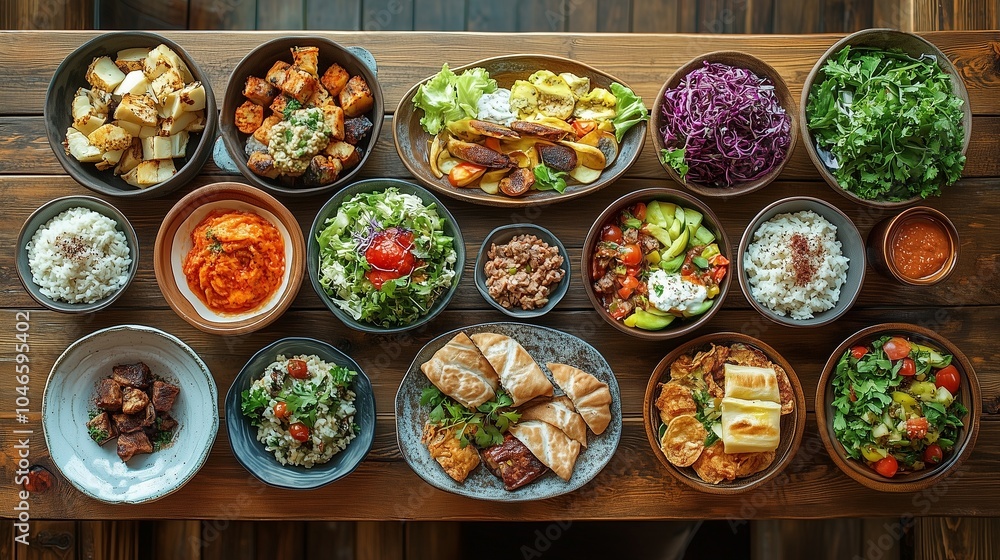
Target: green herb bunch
(485,425)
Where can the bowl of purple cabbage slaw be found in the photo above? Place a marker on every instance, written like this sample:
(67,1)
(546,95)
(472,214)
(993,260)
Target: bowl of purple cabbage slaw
(724,124)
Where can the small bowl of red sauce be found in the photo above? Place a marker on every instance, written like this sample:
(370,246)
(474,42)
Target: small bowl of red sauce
(918,246)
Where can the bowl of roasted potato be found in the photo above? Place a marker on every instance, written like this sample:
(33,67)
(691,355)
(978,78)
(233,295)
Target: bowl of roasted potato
(130,114)
(301,115)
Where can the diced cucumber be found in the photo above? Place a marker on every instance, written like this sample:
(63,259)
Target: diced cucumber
(671,266)
(660,234)
(649,322)
(710,251)
(692,219)
(675,229)
(679,214)
(923,390)
(700,308)
(654,214)
(667,209)
(936,359)
(678,246)
(704,236)
(944,397)
(880,430)
(653,258)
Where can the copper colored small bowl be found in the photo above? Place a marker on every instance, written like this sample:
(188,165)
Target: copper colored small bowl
(883,235)
(969,394)
(792,424)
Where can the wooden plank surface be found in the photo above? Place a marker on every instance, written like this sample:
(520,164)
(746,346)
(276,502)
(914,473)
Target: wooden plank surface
(951,538)
(634,485)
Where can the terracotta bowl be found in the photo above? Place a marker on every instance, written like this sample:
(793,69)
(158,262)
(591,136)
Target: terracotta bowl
(969,395)
(173,242)
(256,63)
(70,75)
(912,44)
(679,327)
(792,424)
(852,247)
(739,60)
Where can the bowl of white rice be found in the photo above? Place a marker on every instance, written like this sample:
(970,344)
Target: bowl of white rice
(77,254)
(300,414)
(801,262)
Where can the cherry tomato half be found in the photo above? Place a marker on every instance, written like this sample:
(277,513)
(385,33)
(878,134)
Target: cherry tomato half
(887,467)
(631,254)
(858,352)
(907,368)
(280,410)
(298,369)
(639,211)
(611,233)
(299,431)
(948,378)
(916,428)
(896,348)
(933,455)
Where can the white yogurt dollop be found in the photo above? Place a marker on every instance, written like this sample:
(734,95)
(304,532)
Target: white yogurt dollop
(495,107)
(671,292)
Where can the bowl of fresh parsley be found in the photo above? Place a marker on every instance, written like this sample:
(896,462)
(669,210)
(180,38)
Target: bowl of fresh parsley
(886,118)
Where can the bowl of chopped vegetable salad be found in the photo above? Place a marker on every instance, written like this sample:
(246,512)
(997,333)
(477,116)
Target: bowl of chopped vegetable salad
(385,255)
(898,407)
(885,118)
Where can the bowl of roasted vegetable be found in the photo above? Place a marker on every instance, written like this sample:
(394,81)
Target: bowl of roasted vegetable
(898,407)
(886,119)
(130,114)
(519,130)
(657,264)
(301,115)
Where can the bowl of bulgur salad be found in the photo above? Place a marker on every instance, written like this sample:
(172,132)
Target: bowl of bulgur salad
(300,414)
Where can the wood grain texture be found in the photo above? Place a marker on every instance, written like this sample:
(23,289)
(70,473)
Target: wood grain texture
(387,15)
(333,14)
(331,540)
(440,15)
(488,15)
(47,14)
(656,17)
(280,14)
(952,538)
(109,540)
(223,537)
(375,541)
(789,539)
(614,16)
(433,540)
(135,14)
(847,16)
(51,540)
(547,16)
(176,539)
(797,16)
(226,14)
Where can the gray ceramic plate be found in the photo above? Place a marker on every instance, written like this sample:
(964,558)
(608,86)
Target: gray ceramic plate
(544,345)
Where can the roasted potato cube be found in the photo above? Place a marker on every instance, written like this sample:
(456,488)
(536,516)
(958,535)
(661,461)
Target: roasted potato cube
(356,99)
(299,85)
(135,82)
(262,164)
(130,60)
(149,173)
(259,91)
(263,132)
(276,75)
(348,155)
(319,98)
(80,148)
(139,109)
(334,118)
(103,74)
(156,147)
(249,115)
(109,138)
(280,105)
(198,124)
(334,79)
(130,158)
(161,59)
(178,144)
(322,170)
(357,129)
(192,97)
(165,84)
(306,58)
(173,125)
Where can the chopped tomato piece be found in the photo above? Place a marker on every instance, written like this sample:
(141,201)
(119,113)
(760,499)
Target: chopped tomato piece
(858,352)
(582,127)
(887,467)
(631,254)
(618,311)
(465,173)
(493,144)
(916,428)
(611,233)
(896,348)
(639,211)
(629,284)
(907,367)
(298,369)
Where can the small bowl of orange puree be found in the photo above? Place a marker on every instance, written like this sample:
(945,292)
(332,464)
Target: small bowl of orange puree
(919,246)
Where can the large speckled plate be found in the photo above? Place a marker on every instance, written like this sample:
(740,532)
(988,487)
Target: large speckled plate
(544,345)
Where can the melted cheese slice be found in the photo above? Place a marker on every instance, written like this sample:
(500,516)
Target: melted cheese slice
(750,425)
(752,383)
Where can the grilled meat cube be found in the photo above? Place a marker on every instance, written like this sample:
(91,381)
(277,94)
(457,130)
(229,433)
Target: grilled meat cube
(134,400)
(249,117)
(164,395)
(128,423)
(134,375)
(132,444)
(356,129)
(513,463)
(557,157)
(334,79)
(259,91)
(356,99)
(322,170)
(150,416)
(101,429)
(109,395)
(447,450)
(165,422)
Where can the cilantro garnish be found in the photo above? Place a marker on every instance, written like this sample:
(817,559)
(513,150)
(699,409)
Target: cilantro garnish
(485,426)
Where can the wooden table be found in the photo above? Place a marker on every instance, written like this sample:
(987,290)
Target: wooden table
(634,485)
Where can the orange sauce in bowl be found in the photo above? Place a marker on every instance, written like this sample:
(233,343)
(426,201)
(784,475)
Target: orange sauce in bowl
(237,261)
(920,247)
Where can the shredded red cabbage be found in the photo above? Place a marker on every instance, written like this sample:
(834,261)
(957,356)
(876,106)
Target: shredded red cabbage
(729,123)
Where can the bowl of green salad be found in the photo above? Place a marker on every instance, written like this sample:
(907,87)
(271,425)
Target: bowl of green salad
(385,255)
(885,117)
(898,407)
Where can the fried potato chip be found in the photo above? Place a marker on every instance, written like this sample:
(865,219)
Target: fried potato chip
(674,400)
(714,465)
(683,441)
(753,463)
(682,367)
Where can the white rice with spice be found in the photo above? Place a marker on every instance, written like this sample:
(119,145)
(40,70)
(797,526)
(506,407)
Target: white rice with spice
(79,256)
(795,266)
(322,401)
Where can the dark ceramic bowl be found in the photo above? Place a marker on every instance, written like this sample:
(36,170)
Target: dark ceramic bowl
(913,45)
(70,75)
(852,247)
(329,210)
(792,424)
(256,63)
(679,327)
(504,234)
(969,394)
(261,463)
(738,60)
(48,211)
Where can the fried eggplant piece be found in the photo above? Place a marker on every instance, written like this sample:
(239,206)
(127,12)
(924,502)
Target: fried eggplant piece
(537,130)
(557,156)
(356,129)
(478,154)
